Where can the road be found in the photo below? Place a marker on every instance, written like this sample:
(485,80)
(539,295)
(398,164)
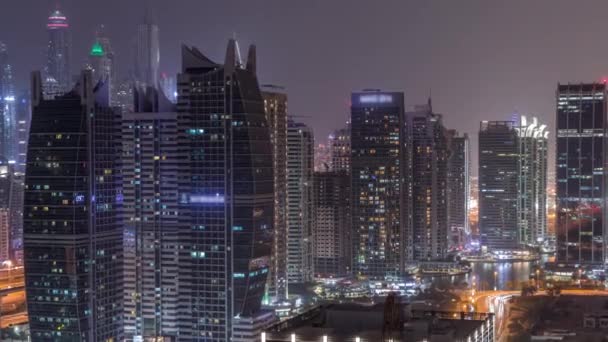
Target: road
(497,302)
(12,298)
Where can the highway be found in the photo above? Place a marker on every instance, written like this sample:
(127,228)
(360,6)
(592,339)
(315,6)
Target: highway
(12,298)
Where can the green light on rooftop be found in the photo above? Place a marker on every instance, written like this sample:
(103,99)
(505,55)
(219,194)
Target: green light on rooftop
(97,50)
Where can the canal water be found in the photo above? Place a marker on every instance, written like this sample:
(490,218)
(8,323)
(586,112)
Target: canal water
(492,275)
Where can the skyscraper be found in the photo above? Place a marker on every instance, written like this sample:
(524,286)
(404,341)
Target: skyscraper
(16,214)
(101,59)
(426,177)
(72,228)
(458,188)
(226,197)
(339,149)
(6,192)
(581,173)
(300,168)
(8,126)
(275,106)
(147,52)
(532,182)
(58,72)
(23,116)
(380,237)
(332,225)
(498,178)
(151,260)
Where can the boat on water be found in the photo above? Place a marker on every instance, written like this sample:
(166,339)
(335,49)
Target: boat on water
(503,256)
(442,268)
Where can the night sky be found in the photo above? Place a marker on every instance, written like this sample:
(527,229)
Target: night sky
(482,59)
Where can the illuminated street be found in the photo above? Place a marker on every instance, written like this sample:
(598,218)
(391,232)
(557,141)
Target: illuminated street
(497,302)
(12,298)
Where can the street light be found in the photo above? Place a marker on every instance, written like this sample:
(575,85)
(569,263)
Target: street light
(495,275)
(538,279)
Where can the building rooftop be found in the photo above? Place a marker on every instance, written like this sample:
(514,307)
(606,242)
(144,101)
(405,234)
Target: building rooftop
(346,322)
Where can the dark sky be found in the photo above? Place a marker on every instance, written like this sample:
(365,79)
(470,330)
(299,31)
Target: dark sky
(482,59)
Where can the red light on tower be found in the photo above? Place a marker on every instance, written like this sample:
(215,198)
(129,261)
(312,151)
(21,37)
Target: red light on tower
(604,80)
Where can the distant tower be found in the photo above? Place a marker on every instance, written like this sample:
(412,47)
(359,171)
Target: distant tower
(339,149)
(6,193)
(147,54)
(101,58)
(58,56)
(8,145)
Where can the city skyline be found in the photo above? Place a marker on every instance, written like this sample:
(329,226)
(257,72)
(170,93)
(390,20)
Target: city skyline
(200,172)
(471,73)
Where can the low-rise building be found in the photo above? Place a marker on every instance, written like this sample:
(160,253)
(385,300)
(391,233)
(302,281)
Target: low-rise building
(365,323)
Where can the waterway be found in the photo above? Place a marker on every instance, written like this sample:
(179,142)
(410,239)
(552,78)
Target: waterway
(493,275)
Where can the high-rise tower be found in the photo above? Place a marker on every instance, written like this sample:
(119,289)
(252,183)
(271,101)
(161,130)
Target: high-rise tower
(426,177)
(151,262)
(458,188)
(581,173)
(226,197)
(498,178)
(72,227)
(58,72)
(380,238)
(532,182)
(300,168)
(147,52)
(8,124)
(275,105)
(332,224)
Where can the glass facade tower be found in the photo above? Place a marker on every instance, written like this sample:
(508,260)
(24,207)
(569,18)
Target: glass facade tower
(380,239)
(498,182)
(72,228)
(226,195)
(581,173)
